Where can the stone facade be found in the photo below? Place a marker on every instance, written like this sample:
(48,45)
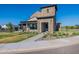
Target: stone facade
(43,20)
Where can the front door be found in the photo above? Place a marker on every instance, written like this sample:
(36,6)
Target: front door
(44,26)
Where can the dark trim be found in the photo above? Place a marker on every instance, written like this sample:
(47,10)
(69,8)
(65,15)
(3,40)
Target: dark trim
(56,7)
(45,17)
(31,21)
(48,6)
(23,22)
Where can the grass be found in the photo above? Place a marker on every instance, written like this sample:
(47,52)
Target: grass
(15,37)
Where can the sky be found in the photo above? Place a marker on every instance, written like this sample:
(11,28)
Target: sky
(67,14)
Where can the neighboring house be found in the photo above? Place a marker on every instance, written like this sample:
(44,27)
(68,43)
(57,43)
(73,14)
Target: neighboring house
(4,28)
(58,26)
(15,28)
(41,21)
(0,26)
(23,25)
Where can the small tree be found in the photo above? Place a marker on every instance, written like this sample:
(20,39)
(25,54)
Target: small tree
(67,27)
(10,27)
(0,27)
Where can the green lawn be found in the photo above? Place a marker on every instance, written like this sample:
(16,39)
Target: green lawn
(10,37)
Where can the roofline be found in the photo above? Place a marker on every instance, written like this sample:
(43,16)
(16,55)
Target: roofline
(50,6)
(45,17)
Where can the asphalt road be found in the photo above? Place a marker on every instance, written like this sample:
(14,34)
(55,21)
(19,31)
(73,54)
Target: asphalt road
(74,49)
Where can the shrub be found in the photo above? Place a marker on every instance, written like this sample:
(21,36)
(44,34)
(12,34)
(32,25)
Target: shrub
(61,34)
(10,27)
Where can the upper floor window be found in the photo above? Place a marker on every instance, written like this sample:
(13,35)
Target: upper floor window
(47,10)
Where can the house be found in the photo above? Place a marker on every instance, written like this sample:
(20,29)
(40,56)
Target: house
(22,25)
(41,21)
(15,28)
(3,28)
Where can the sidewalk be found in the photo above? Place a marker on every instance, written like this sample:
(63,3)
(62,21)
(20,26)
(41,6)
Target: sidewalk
(23,44)
(32,45)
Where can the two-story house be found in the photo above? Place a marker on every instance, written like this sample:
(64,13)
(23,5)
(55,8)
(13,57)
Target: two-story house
(43,20)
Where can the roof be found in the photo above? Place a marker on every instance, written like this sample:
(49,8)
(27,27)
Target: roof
(4,26)
(48,6)
(54,5)
(34,15)
(33,19)
(40,15)
(23,21)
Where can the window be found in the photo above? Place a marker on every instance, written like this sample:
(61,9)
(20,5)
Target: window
(33,26)
(47,10)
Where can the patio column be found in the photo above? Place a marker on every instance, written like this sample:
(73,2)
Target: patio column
(39,26)
(51,25)
(27,28)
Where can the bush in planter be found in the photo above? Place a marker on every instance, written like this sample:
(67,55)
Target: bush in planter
(63,35)
(70,34)
(75,33)
(54,34)
(45,36)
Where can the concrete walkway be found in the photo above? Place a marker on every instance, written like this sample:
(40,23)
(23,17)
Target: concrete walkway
(32,45)
(19,45)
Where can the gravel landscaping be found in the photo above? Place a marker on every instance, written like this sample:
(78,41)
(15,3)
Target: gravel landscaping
(60,34)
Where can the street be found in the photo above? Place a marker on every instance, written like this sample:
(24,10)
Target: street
(59,46)
(74,49)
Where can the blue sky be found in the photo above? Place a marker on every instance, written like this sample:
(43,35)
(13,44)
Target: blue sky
(66,14)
